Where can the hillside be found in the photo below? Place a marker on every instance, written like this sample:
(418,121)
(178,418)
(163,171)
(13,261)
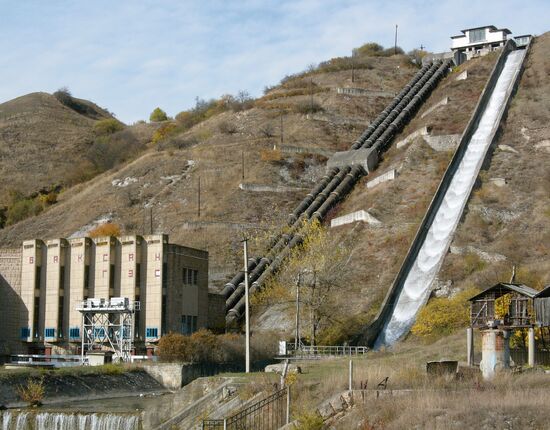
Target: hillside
(165,178)
(506,223)
(41,141)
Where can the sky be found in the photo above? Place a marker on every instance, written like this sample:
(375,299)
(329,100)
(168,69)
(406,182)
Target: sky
(130,56)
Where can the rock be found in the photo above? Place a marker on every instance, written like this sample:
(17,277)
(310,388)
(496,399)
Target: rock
(279,368)
(498,182)
(543,146)
(123,182)
(507,148)
(463,76)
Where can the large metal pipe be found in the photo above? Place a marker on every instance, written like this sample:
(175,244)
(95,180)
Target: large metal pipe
(359,142)
(238,278)
(407,111)
(339,181)
(400,105)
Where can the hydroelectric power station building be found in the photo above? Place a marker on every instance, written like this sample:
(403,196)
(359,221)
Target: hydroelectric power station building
(43,283)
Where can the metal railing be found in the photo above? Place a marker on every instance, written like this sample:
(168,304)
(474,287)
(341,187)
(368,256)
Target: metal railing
(270,413)
(324,351)
(41,360)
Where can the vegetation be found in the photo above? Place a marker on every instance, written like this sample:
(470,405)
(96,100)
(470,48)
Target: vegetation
(158,115)
(107,126)
(204,346)
(33,391)
(107,229)
(64,96)
(21,207)
(442,315)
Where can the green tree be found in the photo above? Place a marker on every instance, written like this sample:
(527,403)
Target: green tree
(158,115)
(107,126)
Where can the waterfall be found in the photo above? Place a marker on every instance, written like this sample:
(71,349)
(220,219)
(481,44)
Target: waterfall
(22,420)
(417,285)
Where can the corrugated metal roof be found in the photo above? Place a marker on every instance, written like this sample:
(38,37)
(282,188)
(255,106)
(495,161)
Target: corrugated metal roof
(524,290)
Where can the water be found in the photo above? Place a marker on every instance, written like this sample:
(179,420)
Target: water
(417,285)
(24,420)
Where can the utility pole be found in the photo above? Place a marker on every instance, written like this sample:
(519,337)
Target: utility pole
(395,44)
(353,65)
(311,94)
(281,128)
(297,337)
(242,164)
(246,308)
(199,198)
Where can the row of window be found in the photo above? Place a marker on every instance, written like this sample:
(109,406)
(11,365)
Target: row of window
(188,324)
(151,333)
(190,276)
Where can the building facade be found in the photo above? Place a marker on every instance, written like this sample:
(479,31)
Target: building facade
(44,283)
(479,41)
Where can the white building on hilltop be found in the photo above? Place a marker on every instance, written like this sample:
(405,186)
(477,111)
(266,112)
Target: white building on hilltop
(479,41)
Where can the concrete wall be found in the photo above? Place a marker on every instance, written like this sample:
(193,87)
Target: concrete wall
(11,305)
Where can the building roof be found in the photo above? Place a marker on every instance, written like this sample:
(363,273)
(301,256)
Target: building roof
(524,290)
(491,28)
(544,293)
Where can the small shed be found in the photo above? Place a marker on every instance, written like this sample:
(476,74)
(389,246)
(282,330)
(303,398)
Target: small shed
(542,307)
(519,312)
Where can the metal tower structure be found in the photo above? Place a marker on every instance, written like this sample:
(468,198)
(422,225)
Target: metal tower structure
(108,324)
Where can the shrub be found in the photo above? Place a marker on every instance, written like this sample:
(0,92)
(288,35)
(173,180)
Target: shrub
(21,209)
(272,155)
(158,115)
(63,95)
(107,229)
(268,131)
(163,132)
(442,316)
(227,127)
(173,347)
(107,126)
(109,151)
(369,49)
(306,107)
(310,421)
(33,392)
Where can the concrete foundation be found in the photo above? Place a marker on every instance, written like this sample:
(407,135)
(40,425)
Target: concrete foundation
(367,157)
(495,352)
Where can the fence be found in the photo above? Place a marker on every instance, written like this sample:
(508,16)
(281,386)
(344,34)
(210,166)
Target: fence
(270,413)
(324,351)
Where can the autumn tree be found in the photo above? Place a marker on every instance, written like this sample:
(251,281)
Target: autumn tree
(158,115)
(319,268)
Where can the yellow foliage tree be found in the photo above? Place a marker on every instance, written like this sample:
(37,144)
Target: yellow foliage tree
(107,229)
(442,316)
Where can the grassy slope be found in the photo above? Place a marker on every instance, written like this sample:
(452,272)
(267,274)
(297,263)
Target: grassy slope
(40,141)
(167,182)
(378,251)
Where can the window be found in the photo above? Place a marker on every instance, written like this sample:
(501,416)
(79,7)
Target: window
(74,333)
(188,324)
(49,332)
(36,315)
(99,332)
(190,276)
(138,275)
(86,277)
(477,35)
(60,310)
(37,278)
(151,332)
(25,332)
